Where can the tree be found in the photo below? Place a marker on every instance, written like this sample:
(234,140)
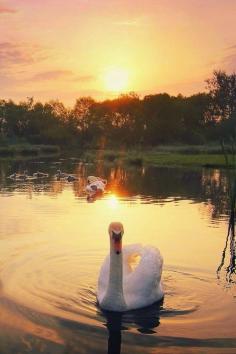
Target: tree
(222,91)
(164,119)
(195,127)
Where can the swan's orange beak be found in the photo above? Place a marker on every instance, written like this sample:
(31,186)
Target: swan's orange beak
(117,242)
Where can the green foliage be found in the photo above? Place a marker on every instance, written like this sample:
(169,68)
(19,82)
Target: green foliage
(28,150)
(222,91)
(126,121)
(221,112)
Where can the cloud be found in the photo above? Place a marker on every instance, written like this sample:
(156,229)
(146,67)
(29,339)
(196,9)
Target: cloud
(53,75)
(84,78)
(12,54)
(228,62)
(135,22)
(232,47)
(62,75)
(6,9)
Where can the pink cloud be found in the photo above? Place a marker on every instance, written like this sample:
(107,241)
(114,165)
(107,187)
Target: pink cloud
(18,54)
(53,75)
(6,9)
(11,53)
(228,60)
(62,75)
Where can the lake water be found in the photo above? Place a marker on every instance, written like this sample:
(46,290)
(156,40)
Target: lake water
(52,244)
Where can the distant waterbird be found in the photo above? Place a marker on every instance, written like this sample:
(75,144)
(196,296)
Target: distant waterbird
(71,178)
(19,176)
(61,175)
(65,176)
(39,174)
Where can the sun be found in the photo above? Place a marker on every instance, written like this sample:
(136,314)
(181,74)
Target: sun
(116,79)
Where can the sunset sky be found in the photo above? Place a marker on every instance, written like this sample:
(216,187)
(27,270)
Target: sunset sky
(59,49)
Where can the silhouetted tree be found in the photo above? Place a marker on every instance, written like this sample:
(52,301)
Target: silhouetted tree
(126,120)
(222,90)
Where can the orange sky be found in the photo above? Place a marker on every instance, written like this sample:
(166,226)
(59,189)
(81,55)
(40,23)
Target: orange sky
(66,49)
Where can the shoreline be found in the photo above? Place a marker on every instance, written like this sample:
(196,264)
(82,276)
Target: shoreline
(16,151)
(183,156)
(160,158)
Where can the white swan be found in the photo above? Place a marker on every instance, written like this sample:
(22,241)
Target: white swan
(92,179)
(119,287)
(95,185)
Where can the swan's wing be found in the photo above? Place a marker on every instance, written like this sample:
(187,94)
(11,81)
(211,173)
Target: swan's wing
(103,278)
(129,254)
(142,286)
(100,185)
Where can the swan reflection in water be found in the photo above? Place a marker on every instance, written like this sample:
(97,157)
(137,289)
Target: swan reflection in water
(144,320)
(92,197)
(77,335)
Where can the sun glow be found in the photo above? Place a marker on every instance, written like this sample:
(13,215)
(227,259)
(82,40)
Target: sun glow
(116,79)
(113,201)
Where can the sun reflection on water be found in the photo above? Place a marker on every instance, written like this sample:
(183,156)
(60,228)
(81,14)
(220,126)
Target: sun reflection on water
(113,201)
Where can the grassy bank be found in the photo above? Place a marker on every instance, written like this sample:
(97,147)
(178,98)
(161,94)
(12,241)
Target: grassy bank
(182,155)
(24,150)
(175,159)
(200,156)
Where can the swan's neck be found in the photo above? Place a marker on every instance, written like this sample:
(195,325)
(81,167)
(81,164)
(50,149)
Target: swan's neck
(114,298)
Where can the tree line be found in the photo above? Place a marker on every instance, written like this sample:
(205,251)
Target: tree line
(127,120)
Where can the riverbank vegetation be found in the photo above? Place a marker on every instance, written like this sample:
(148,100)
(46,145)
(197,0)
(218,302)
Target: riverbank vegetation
(171,156)
(21,150)
(127,122)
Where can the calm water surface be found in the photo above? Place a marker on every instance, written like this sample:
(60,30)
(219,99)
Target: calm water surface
(52,244)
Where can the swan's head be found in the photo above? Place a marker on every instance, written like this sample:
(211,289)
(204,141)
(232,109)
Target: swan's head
(116,232)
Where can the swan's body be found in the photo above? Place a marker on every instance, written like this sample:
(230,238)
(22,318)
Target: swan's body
(13,176)
(92,179)
(71,178)
(19,176)
(65,176)
(95,185)
(40,175)
(61,175)
(119,287)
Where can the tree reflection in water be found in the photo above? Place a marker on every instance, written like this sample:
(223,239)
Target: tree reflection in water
(230,159)
(230,239)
